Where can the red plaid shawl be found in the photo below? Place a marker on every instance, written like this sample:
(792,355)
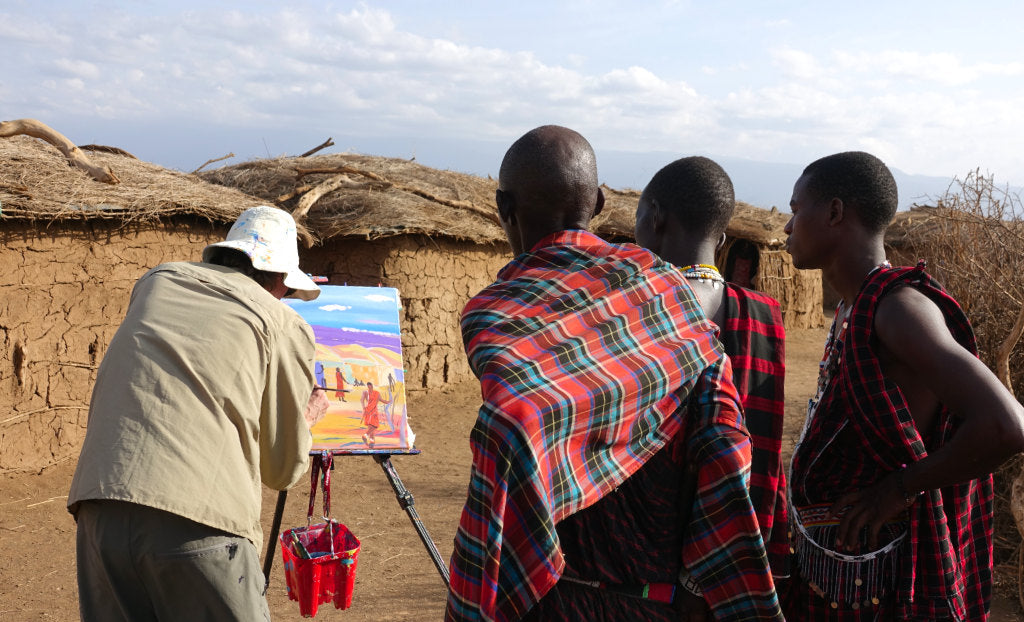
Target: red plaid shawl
(946,568)
(754,337)
(585,352)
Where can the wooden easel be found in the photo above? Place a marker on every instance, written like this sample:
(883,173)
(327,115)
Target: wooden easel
(402,494)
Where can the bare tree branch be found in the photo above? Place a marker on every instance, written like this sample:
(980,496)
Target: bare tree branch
(208,162)
(107,149)
(75,156)
(327,143)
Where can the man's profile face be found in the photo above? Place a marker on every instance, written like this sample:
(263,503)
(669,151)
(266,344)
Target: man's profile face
(807,228)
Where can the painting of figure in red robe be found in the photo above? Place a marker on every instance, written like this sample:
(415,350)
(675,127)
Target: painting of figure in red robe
(359,363)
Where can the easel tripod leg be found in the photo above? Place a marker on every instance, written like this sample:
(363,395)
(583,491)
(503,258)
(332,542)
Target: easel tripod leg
(275,527)
(406,502)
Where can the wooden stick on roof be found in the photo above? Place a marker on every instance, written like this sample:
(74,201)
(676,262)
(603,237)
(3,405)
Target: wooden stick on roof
(75,156)
(208,162)
(327,143)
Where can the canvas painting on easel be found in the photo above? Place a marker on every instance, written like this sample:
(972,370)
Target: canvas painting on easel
(359,362)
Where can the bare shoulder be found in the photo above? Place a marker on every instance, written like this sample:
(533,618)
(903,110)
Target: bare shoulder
(906,317)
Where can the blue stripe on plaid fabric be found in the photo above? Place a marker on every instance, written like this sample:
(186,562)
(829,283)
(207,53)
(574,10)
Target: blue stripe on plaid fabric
(586,352)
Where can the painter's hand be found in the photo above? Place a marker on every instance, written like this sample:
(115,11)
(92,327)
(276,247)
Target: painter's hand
(871,508)
(317,407)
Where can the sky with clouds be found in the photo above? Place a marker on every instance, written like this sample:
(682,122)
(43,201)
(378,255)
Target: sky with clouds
(933,88)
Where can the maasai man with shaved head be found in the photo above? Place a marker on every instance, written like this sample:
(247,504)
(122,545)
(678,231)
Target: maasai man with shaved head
(603,388)
(891,483)
(682,216)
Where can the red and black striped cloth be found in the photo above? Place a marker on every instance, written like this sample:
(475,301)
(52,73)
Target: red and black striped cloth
(754,337)
(862,430)
(586,353)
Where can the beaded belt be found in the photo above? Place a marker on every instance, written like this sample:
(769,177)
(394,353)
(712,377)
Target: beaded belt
(848,581)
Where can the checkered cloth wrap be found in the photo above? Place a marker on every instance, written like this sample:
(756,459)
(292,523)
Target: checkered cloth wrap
(586,352)
(945,570)
(755,340)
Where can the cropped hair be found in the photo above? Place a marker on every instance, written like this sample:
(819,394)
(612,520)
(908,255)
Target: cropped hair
(859,180)
(697,192)
(234,258)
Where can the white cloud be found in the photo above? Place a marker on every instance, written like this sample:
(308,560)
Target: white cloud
(366,71)
(378,298)
(942,68)
(78,68)
(333,307)
(797,64)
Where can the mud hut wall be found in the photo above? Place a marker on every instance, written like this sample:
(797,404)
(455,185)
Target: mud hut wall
(799,292)
(65,288)
(435,278)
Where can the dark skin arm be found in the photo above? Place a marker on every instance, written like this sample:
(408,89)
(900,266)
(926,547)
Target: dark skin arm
(919,353)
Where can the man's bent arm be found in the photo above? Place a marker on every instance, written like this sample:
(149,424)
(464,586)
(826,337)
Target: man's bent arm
(285,439)
(912,330)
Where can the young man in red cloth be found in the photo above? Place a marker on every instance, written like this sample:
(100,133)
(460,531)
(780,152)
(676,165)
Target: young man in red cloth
(682,216)
(603,386)
(371,400)
(891,482)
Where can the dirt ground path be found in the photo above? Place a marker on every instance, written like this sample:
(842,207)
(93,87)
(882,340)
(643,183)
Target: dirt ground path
(395,579)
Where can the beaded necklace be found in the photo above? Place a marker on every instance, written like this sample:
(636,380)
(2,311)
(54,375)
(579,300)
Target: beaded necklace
(705,273)
(854,581)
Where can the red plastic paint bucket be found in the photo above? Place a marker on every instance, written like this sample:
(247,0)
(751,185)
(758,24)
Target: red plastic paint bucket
(320,565)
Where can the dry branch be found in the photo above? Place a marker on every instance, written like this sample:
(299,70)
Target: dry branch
(288,196)
(1005,350)
(208,162)
(107,149)
(37,129)
(19,189)
(334,170)
(327,143)
(491,215)
(314,194)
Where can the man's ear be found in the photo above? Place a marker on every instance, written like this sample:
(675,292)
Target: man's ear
(599,205)
(657,217)
(506,206)
(721,241)
(836,211)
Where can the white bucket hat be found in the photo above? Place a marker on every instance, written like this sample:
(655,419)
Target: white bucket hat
(267,235)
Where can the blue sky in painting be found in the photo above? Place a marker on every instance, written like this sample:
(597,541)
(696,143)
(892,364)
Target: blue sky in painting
(371,309)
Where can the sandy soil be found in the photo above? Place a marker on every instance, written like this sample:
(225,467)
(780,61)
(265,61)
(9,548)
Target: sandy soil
(395,579)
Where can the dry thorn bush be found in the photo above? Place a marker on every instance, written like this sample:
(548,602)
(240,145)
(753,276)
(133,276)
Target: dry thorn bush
(973,240)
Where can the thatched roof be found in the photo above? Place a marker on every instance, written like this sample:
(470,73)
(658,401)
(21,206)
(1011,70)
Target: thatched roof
(761,226)
(371,197)
(375,197)
(37,184)
(356,195)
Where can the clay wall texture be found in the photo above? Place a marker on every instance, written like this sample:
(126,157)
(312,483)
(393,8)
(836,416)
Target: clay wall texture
(65,289)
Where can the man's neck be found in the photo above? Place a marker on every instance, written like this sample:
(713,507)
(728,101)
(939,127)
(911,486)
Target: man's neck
(847,272)
(531,237)
(683,253)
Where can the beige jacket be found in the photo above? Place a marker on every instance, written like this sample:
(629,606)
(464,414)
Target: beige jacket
(200,396)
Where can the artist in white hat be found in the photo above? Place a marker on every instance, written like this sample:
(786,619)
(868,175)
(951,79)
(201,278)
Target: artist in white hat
(206,390)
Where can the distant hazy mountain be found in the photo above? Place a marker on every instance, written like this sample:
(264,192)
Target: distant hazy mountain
(760,183)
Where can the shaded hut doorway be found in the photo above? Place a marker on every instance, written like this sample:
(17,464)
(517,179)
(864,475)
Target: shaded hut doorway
(741,263)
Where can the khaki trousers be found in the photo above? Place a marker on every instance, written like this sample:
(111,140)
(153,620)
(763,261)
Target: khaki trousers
(136,563)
